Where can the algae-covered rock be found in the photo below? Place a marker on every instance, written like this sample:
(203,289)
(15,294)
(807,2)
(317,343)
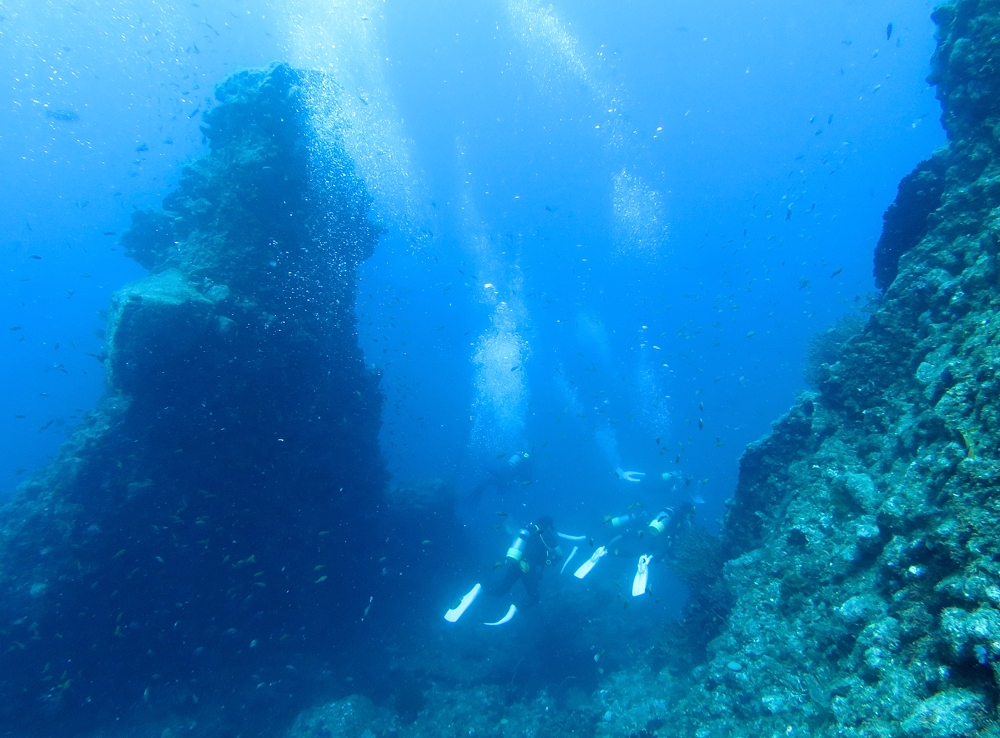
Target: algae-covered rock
(863,584)
(204,536)
(954,712)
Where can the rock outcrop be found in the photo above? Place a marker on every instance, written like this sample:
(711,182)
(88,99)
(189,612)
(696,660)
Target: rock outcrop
(863,580)
(206,532)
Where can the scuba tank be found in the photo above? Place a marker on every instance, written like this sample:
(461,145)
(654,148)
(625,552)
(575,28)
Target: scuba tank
(659,523)
(621,520)
(516,551)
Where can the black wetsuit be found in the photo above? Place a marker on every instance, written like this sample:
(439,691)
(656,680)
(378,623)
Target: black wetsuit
(537,552)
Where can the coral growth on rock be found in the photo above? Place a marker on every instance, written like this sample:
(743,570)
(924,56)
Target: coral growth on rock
(198,536)
(863,536)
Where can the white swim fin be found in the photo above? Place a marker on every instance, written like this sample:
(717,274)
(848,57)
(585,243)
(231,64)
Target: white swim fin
(569,558)
(455,613)
(587,565)
(511,612)
(641,576)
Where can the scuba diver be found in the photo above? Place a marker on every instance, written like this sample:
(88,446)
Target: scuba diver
(506,473)
(650,541)
(662,532)
(535,547)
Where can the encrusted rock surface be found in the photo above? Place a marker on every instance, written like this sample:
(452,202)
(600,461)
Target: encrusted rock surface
(204,535)
(864,536)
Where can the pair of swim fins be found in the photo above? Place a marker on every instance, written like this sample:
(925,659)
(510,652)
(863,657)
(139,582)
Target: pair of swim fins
(640,582)
(458,610)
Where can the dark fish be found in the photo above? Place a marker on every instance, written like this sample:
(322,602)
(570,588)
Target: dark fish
(888,32)
(64,114)
(836,271)
(142,147)
(110,233)
(35,256)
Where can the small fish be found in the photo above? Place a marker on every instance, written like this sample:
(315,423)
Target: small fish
(425,542)
(19,417)
(701,424)
(36,257)
(15,327)
(501,514)
(110,233)
(141,147)
(836,271)
(498,564)
(888,32)
(321,579)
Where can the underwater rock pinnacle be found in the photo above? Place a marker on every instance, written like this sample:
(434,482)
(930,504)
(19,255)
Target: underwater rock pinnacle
(197,536)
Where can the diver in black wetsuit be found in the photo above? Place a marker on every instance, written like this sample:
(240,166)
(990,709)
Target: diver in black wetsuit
(535,547)
(663,531)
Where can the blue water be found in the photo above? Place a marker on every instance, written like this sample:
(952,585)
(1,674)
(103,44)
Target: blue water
(611,228)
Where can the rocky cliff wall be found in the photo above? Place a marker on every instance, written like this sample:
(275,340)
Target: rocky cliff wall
(863,581)
(207,532)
